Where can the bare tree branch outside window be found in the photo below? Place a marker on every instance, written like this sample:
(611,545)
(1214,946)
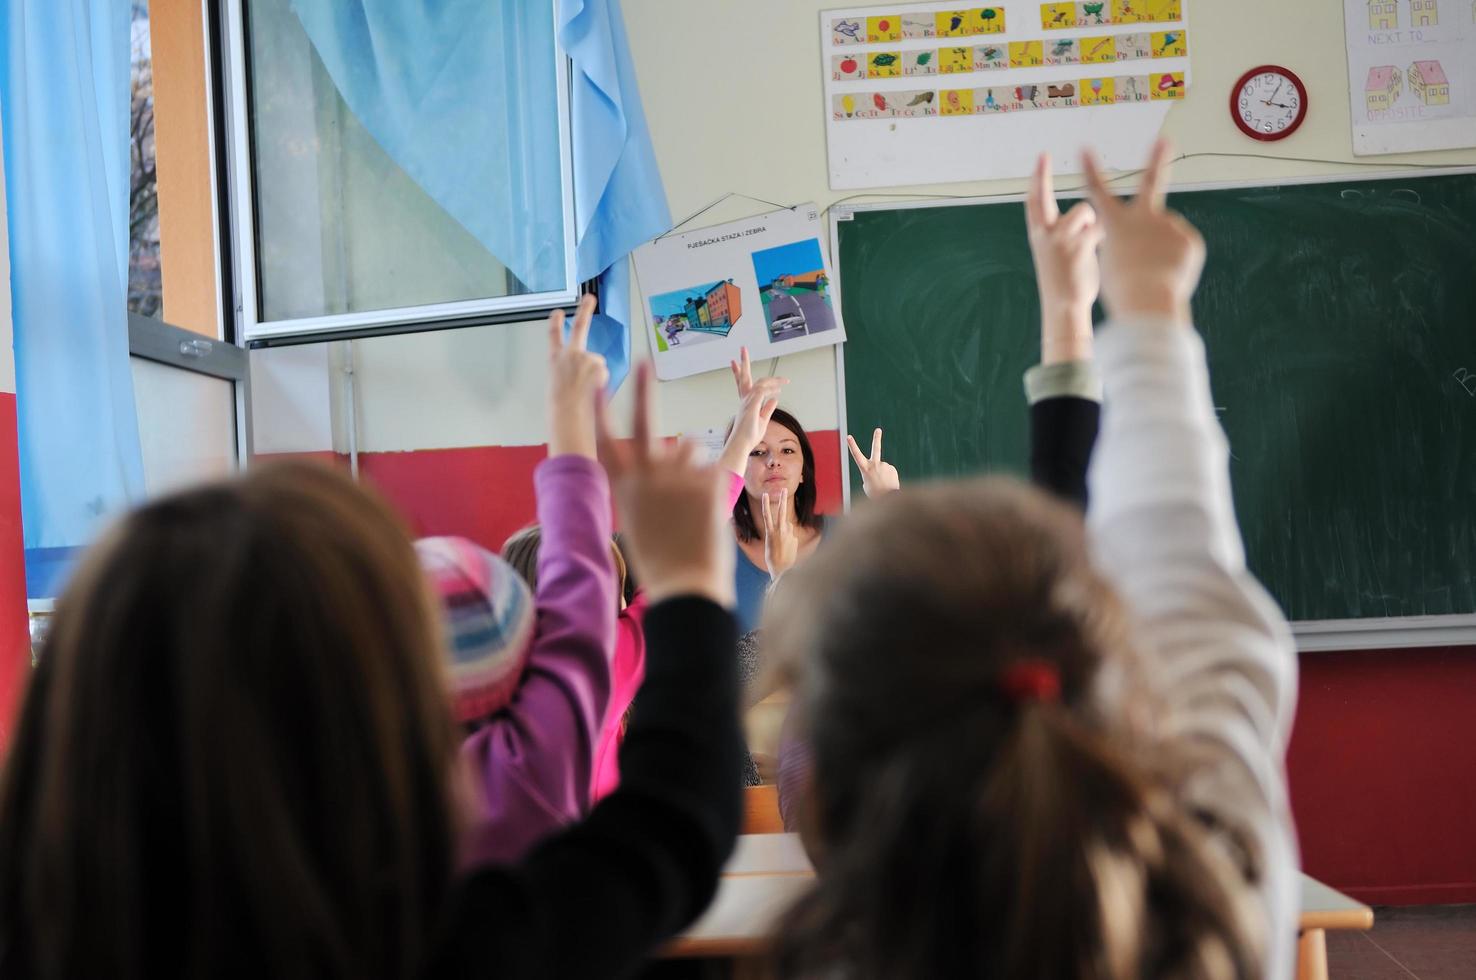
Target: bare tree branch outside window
(145,280)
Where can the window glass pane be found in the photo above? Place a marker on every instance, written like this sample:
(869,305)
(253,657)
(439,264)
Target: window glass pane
(186,423)
(340,227)
(145,280)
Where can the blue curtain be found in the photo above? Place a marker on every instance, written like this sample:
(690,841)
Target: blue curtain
(64,102)
(460,94)
(619,199)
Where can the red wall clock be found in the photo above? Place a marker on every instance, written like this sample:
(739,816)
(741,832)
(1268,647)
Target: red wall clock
(1269,103)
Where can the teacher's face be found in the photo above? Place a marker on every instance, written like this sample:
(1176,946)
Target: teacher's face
(775,464)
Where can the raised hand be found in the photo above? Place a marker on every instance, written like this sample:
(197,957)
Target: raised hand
(878,477)
(1151,257)
(670,507)
(742,373)
(757,401)
(576,379)
(750,423)
(781,542)
(1066,268)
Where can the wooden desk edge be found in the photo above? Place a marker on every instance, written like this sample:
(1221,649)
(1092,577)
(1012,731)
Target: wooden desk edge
(728,948)
(1341,919)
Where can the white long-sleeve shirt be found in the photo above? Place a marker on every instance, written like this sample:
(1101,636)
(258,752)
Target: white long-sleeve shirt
(1216,649)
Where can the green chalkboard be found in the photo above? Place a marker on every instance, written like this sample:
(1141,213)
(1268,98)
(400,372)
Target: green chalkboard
(1341,325)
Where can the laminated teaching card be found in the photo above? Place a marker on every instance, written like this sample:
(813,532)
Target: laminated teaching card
(761,283)
(924,93)
(1411,74)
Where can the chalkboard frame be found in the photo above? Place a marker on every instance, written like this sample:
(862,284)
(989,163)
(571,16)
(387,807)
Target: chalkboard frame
(1310,635)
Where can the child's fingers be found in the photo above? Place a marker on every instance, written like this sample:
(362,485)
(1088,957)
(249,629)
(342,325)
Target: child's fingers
(861,461)
(1079,218)
(1153,191)
(876,446)
(579,336)
(768,515)
(1035,199)
(682,454)
(1102,198)
(783,509)
(607,447)
(645,408)
(745,365)
(556,331)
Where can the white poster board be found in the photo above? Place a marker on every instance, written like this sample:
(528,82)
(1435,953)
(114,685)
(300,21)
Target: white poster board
(927,93)
(1411,74)
(763,283)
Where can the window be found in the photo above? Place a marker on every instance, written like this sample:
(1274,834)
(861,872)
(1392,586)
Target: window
(145,282)
(190,389)
(356,212)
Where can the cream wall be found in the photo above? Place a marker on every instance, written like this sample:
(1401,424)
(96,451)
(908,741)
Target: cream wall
(754,66)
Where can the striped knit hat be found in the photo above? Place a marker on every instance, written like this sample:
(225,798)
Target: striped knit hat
(486,623)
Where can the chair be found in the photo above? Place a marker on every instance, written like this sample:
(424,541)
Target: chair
(761,810)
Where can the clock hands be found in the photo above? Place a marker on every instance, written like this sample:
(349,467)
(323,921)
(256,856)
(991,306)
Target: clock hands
(1274,94)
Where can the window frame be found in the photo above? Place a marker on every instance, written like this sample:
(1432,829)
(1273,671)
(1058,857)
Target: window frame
(231,78)
(155,340)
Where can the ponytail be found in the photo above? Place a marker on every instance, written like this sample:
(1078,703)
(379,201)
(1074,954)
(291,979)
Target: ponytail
(965,680)
(1065,860)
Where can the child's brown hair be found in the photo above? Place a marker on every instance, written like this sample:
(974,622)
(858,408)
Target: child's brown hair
(236,756)
(982,809)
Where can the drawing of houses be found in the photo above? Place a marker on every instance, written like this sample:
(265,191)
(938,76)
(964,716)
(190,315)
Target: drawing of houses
(1427,81)
(1424,13)
(716,312)
(1383,15)
(1383,88)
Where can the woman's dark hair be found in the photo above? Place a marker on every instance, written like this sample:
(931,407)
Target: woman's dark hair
(962,831)
(235,758)
(804,496)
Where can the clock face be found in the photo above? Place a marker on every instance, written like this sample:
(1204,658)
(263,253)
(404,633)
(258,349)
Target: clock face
(1269,103)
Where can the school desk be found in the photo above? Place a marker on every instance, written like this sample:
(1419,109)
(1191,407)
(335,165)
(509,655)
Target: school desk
(767,872)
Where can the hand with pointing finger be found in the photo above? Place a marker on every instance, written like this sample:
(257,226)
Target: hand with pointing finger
(670,506)
(743,374)
(1151,257)
(576,379)
(1066,272)
(878,477)
(781,542)
(758,399)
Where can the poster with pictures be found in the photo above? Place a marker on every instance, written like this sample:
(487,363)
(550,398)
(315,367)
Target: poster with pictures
(761,283)
(1411,74)
(924,93)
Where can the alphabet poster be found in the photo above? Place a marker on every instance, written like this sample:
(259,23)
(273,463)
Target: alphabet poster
(928,93)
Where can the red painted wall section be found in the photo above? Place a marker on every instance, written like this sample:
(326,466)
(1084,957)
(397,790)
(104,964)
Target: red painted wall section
(1382,768)
(485,493)
(481,493)
(15,632)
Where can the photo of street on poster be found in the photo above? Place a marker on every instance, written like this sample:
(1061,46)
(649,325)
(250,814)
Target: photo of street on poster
(761,283)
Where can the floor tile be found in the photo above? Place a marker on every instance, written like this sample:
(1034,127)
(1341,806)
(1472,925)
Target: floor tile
(1430,942)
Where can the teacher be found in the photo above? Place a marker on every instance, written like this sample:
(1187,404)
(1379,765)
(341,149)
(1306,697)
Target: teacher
(775,524)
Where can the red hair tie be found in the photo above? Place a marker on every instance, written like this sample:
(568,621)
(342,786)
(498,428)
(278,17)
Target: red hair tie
(1031,680)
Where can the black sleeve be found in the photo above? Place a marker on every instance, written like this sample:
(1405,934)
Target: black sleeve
(597,899)
(1062,433)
